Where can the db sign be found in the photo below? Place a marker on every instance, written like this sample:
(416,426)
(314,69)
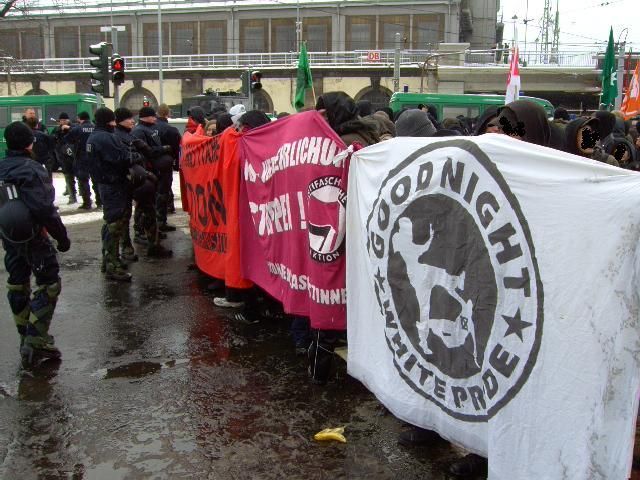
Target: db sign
(373,56)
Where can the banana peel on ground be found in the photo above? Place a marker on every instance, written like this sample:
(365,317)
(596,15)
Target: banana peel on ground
(328,434)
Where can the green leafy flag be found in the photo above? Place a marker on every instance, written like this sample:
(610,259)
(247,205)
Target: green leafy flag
(609,75)
(304,80)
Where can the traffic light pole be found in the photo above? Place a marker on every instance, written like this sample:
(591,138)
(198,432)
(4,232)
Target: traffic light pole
(116,87)
(250,93)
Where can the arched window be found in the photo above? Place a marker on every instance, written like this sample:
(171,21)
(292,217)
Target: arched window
(262,101)
(37,91)
(133,99)
(378,96)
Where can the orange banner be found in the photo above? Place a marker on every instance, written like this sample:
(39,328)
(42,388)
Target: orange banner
(211,172)
(631,104)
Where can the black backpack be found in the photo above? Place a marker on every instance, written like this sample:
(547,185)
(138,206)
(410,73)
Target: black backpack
(16,221)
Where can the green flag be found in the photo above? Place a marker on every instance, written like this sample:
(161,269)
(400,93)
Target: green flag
(609,75)
(304,77)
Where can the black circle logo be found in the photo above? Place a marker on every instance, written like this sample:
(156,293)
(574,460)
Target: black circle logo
(327,214)
(456,279)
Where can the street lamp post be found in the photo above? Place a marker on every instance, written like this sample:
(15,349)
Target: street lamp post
(160,80)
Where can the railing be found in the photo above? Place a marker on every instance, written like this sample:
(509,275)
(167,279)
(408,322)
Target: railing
(351,59)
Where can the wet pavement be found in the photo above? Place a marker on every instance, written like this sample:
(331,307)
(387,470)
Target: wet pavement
(158,383)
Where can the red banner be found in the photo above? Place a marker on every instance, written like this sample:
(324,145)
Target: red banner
(292,216)
(211,172)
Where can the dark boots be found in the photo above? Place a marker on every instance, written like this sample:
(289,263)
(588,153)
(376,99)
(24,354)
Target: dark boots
(32,316)
(113,265)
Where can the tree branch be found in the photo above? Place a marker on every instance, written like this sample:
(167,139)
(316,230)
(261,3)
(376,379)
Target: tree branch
(8,5)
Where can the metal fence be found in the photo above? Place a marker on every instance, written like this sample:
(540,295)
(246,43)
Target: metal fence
(364,59)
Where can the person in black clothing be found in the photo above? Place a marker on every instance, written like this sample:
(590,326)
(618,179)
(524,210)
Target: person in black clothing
(30,117)
(64,156)
(35,254)
(169,135)
(43,143)
(77,136)
(109,160)
(142,188)
(161,161)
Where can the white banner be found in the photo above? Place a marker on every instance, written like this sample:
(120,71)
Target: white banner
(492,297)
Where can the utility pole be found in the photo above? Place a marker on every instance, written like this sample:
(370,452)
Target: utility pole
(621,48)
(160,79)
(546,27)
(555,45)
(298,27)
(396,65)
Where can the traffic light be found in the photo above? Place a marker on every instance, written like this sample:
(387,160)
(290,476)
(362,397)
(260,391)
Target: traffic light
(100,77)
(146,102)
(246,82)
(256,78)
(117,69)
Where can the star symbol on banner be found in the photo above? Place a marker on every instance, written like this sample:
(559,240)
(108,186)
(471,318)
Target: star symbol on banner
(380,279)
(516,325)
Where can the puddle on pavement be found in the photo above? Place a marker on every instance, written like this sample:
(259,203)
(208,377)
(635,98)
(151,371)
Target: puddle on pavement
(133,370)
(137,369)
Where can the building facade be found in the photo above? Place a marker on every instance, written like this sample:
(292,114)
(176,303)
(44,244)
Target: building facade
(244,27)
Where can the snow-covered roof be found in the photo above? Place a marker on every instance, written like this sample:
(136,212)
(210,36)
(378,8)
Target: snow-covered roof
(96,7)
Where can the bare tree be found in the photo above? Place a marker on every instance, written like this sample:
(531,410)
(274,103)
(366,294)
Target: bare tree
(7,6)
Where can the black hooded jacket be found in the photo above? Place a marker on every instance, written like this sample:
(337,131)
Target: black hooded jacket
(485,117)
(109,157)
(342,115)
(533,119)
(607,123)
(571,133)
(35,189)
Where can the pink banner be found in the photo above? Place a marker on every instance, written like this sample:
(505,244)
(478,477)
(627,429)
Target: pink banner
(292,216)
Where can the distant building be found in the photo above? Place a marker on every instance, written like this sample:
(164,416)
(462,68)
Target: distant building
(226,28)
(251,26)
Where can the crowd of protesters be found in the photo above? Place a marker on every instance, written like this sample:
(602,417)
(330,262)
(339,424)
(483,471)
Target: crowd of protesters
(131,165)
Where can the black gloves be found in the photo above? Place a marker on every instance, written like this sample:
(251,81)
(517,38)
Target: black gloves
(64,245)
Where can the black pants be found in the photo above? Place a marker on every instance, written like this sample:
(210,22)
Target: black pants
(32,313)
(115,200)
(162,168)
(321,356)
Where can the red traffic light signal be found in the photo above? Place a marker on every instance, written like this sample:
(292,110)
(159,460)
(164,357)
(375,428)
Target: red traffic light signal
(118,65)
(117,69)
(145,102)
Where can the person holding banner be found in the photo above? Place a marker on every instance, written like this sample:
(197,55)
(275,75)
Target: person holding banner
(239,297)
(341,113)
(525,120)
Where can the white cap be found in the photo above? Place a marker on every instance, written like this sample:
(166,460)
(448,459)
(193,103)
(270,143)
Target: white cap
(236,112)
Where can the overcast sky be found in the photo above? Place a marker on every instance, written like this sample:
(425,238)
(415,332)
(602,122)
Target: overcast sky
(583,23)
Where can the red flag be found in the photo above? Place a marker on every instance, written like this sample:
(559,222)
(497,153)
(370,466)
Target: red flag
(513,79)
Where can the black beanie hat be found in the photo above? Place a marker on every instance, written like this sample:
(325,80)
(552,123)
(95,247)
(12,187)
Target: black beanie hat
(122,113)
(146,112)
(197,113)
(83,116)
(254,119)
(63,116)
(414,123)
(103,116)
(18,136)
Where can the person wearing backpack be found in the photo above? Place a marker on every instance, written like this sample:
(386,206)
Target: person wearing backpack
(28,218)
